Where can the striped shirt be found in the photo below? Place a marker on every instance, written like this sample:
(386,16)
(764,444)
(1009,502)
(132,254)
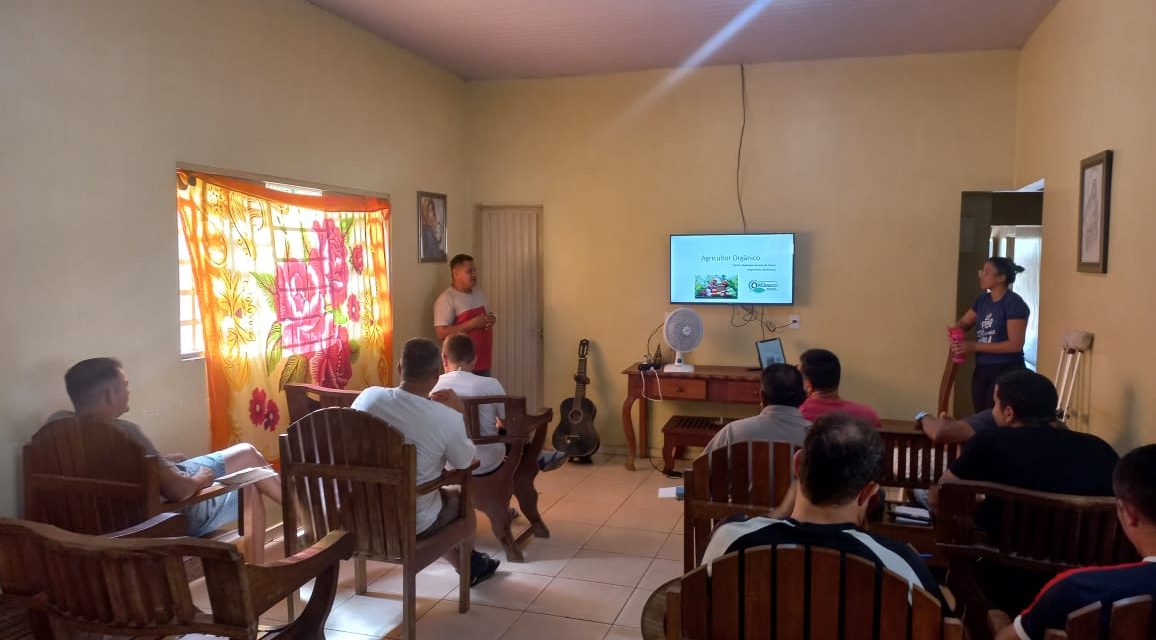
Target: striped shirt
(895,556)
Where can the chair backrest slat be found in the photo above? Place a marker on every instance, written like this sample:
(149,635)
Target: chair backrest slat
(758,596)
(789,579)
(824,601)
(354,472)
(1131,618)
(726,598)
(746,478)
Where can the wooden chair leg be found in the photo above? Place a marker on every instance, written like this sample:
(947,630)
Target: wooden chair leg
(465,550)
(360,577)
(668,453)
(528,502)
(311,623)
(409,602)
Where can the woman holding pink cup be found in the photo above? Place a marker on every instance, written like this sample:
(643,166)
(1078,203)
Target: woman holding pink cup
(1000,319)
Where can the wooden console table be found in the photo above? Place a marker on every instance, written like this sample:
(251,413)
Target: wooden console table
(707,384)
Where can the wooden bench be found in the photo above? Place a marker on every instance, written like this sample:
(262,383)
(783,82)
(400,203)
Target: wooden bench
(1043,532)
(790,593)
(681,432)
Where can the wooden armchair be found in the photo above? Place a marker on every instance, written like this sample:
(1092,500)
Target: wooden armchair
(1129,619)
(791,593)
(524,434)
(137,587)
(343,469)
(1044,532)
(89,477)
(524,437)
(746,478)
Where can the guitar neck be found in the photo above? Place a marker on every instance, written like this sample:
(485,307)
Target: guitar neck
(580,386)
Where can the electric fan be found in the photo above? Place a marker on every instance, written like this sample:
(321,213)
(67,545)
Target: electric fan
(682,332)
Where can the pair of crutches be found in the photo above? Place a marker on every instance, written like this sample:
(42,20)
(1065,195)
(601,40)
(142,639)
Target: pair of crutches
(1072,351)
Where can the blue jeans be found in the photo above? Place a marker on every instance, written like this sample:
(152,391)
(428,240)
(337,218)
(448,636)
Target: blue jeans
(210,515)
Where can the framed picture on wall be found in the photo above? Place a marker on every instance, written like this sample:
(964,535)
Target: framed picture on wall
(1095,201)
(431,227)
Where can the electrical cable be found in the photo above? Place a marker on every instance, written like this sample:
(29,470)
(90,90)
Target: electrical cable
(742,135)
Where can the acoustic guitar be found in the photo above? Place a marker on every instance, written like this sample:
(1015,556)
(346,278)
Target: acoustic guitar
(575,435)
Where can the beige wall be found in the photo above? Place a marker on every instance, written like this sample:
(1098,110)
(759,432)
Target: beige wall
(101,100)
(1085,86)
(865,159)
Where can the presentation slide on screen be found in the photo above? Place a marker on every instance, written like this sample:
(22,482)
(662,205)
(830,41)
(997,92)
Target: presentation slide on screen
(732,269)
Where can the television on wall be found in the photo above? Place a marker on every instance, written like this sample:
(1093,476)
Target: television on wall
(747,268)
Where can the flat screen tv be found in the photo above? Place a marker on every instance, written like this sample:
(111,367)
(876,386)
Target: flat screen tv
(749,268)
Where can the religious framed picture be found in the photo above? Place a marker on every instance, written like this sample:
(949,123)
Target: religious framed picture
(431,227)
(1095,203)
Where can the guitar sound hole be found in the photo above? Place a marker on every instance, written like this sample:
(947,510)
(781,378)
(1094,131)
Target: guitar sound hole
(575,416)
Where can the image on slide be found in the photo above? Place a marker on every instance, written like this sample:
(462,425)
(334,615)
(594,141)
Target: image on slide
(716,287)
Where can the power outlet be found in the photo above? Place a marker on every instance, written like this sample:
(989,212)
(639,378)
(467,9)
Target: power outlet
(794,320)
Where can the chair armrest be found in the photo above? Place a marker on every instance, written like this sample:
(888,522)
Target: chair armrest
(214,490)
(273,582)
(997,621)
(448,478)
(165,525)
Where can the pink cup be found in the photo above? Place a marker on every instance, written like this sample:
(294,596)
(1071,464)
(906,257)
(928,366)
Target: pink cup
(956,335)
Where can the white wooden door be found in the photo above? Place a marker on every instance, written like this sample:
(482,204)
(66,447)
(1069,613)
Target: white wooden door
(510,273)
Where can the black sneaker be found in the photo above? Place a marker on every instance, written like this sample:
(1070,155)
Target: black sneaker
(482,567)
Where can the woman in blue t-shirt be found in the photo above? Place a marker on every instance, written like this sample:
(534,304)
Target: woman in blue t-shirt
(1000,318)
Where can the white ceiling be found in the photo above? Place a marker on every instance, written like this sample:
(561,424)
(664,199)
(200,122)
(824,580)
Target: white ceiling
(501,39)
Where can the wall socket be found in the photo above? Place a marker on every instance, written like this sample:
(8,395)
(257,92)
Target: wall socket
(794,320)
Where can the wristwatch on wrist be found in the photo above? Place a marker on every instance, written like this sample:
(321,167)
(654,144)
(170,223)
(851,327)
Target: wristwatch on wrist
(919,419)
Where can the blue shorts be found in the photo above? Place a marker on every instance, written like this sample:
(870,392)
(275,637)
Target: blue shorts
(210,515)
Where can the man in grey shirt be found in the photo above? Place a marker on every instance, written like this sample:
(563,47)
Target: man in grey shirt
(780,421)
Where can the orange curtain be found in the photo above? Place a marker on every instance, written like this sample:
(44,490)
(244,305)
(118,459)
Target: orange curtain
(291,288)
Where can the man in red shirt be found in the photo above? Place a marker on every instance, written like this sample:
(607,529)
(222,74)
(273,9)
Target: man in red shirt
(821,372)
(461,308)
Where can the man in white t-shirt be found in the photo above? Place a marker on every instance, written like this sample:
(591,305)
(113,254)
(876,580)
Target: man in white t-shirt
(461,308)
(433,423)
(458,359)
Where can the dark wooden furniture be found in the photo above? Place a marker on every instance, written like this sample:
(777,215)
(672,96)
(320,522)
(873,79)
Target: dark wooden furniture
(707,383)
(345,470)
(524,436)
(681,432)
(791,592)
(89,477)
(746,478)
(912,461)
(1129,619)
(136,587)
(1044,532)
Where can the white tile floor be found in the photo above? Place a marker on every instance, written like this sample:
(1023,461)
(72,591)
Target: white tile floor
(612,542)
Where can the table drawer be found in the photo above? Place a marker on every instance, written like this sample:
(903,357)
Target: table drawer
(745,392)
(685,389)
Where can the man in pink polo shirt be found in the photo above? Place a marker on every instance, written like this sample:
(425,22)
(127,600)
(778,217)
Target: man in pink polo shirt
(821,372)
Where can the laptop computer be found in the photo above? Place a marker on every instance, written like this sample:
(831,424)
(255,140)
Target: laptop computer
(770,352)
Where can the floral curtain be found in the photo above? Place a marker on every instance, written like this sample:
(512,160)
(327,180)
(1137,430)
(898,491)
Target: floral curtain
(291,288)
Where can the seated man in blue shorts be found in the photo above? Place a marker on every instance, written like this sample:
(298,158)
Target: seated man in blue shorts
(838,470)
(1134,481)
(98,389)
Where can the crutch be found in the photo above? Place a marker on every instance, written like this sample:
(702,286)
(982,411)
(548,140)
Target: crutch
(1075,344)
